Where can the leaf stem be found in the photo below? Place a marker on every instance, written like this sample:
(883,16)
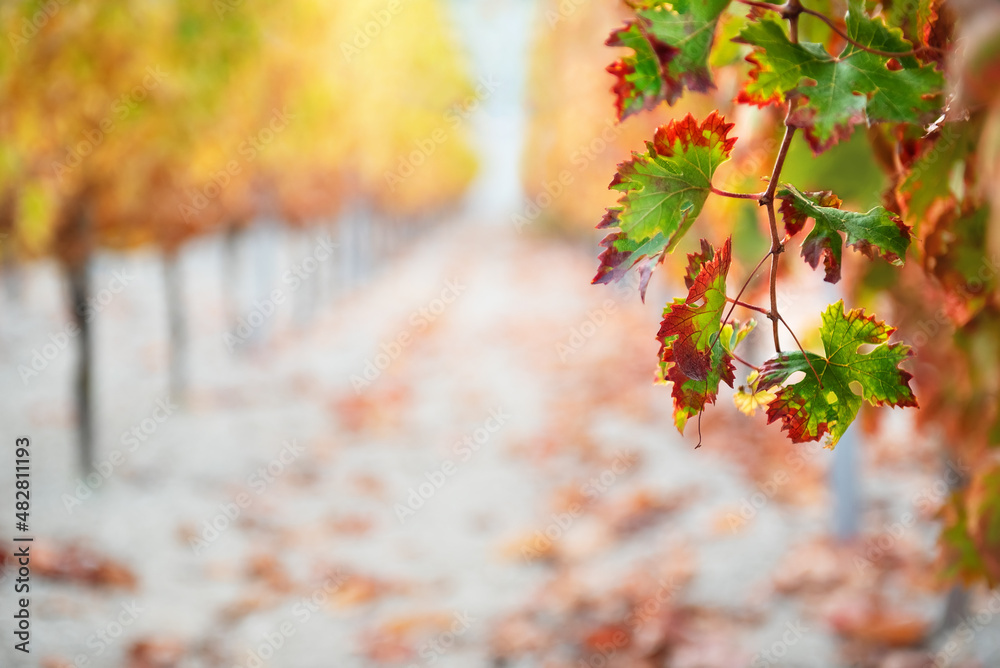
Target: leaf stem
(740,359)
(726,193)
(804,353)
(746,283)
(738,295)
(737,302)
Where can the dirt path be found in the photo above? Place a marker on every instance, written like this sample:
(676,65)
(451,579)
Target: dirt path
(490,376)
(438,449)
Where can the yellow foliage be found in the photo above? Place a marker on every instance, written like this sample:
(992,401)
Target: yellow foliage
(158,121)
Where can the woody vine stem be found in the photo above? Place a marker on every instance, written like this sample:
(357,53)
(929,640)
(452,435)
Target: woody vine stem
(791,12)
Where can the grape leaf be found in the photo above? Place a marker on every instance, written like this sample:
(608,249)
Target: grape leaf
(877,232)
(807,409)
(639,78)
(664,191)
(693,354)
(696,261)
(671,43)
(835,93)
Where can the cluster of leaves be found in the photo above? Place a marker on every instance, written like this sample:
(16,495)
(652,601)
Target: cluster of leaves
(665,188)
(943,183)
(937,141)
(831,93)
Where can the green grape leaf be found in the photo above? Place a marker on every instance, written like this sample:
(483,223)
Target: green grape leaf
(877,232)
(809,410)
(693,353)
(833,94)
(663,190)
(639,77)
(671,43)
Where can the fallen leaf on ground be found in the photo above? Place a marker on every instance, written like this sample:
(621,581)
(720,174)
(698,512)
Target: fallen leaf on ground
(75,563)
(155,654)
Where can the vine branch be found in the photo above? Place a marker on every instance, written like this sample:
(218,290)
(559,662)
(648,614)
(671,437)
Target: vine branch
(777,247)
(792,11)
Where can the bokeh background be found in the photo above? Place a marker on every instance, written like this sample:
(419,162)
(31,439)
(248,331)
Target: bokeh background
(296,311)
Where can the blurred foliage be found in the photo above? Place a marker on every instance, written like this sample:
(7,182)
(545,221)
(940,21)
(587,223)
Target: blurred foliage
(944,183)
(136,122)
